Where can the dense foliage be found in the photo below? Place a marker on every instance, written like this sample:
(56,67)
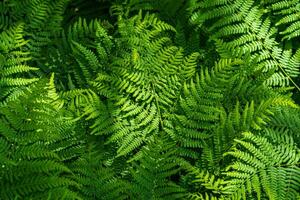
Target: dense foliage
(150,99)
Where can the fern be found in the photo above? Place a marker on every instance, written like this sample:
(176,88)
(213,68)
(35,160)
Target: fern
(202,111)
(13,61)
(98,176)
(151,176)
(207,120)
(5,20)
(239,28)
(264,169)
(287,16)
(31,166)
(287,121)
(42,19)
(78,56)
(143,91)
(129,100)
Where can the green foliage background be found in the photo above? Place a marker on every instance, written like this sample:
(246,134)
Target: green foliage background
(150,99)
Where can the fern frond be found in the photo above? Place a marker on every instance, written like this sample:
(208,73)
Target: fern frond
(151,175)
(32,167)
(287,16)
(240,29)
(201,105)
(263,168)
(13,63)
(146,80)
(97,177)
